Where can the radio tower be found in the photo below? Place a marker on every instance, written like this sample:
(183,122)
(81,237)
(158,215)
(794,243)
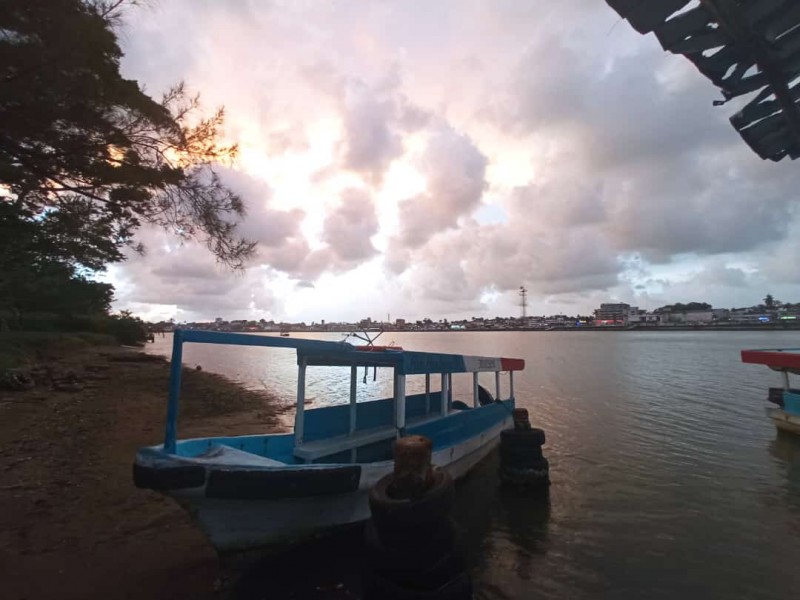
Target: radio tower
(523,292)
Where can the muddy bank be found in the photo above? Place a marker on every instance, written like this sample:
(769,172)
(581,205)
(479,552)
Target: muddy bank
(71,523)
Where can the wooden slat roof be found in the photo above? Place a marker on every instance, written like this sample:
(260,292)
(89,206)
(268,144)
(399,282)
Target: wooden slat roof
(742,46)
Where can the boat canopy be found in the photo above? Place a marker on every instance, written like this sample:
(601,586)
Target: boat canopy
(779,359)
(343,354)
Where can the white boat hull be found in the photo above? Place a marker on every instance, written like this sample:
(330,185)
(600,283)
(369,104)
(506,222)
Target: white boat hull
(785,421)
(235,525)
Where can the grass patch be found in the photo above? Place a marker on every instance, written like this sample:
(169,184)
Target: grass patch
(22,348)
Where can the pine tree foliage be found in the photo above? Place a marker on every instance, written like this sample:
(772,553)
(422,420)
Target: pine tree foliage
(87,157)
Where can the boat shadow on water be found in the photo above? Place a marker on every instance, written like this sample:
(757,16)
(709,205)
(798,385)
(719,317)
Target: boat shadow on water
(785,449)
(331,567)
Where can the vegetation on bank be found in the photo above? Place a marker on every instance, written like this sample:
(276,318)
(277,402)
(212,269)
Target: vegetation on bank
(39,337)
(86,158)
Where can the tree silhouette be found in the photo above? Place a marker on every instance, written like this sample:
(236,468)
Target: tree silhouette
(86,157)
(86,152)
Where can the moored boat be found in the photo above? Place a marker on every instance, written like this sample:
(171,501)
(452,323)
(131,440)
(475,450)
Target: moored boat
(252,491)
(786,413)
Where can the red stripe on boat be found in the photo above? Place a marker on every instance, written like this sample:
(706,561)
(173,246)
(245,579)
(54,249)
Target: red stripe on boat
(772,358)
(512,364)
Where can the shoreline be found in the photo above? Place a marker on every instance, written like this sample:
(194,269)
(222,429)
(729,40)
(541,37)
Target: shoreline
(72,524)
(604,328)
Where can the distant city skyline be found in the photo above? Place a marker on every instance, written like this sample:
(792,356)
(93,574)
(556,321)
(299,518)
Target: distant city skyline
(624,310)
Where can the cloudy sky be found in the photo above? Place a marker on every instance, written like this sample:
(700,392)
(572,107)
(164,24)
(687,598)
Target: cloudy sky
(420,158)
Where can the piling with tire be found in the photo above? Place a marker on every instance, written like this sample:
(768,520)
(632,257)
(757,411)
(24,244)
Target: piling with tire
(410,541)
(522,464)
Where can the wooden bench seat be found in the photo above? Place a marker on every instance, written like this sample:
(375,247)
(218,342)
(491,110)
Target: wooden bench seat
(328,446)
(317,449)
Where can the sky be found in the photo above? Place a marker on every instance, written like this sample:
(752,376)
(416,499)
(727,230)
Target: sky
(421,159)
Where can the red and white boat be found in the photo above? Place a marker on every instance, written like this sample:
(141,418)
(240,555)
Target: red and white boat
(786,415)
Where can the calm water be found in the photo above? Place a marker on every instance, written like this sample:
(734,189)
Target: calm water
(667,478)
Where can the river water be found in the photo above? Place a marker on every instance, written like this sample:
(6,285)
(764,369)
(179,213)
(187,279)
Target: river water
(668,480)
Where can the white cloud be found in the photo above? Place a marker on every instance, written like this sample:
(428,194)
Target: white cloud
(449,153)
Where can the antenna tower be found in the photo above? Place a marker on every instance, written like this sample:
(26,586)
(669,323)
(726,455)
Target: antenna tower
(523,292)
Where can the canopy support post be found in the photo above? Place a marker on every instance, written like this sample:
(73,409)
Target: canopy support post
(299,413)
(511,384)
(400,404)
(497,385)
(445,395)
(428,392)
(171,430)
(475,402)
(353,413)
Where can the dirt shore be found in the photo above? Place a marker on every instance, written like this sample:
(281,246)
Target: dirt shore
(72,525)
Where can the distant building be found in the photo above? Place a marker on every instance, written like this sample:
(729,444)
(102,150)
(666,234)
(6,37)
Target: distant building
(692,316)
(643,317)
(400,323)
(614,314)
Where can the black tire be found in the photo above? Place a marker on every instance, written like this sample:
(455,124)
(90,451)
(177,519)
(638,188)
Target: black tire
(518,455)
(539,466)
(537,475)
(532,436)
(522,443)
(390,514)
(523,463)
(377,587)
(409,554)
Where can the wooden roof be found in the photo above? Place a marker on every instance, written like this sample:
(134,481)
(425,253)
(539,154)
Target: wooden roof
(742,46)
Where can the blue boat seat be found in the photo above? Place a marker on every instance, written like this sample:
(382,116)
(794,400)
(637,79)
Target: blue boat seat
(320,448)
(220,454)
(309,451)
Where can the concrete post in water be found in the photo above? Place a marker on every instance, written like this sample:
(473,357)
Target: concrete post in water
(413,472)
(521,419)
(522,464)
(410,542)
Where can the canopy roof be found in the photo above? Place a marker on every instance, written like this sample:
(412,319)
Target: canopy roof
(742,46)
(787,358)
(319,352)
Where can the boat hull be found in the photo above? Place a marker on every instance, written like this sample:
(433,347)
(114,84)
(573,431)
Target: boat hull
(785,421)
(238,525)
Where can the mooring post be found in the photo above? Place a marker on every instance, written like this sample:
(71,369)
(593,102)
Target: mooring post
(410,542)
(413,471)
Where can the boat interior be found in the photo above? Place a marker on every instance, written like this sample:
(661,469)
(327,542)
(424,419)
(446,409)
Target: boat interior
(350,432)
(328,440)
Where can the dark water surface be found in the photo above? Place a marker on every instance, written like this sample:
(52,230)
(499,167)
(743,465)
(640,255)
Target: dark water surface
(668,480)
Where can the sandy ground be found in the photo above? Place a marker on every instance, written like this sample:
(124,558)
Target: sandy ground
(72,525)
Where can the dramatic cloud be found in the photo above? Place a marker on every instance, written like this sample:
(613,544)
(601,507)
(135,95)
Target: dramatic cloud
(454,169)
(449,153)
(349,227)
(370,143)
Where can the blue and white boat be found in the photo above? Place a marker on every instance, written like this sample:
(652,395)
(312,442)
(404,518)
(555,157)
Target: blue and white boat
(252,491)
(786,413)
